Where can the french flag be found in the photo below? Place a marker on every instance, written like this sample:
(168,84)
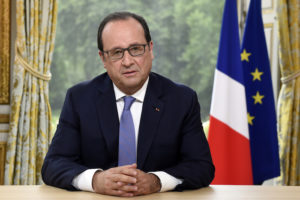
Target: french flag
(228,134)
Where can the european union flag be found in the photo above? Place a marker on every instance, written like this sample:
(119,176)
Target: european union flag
(260,98)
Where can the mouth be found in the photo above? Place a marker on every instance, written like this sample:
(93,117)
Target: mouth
(129,73)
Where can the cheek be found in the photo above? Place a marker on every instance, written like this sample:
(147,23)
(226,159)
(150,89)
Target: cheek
(145,65)
(112,68)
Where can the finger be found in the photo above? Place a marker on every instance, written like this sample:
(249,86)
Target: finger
(116,185)
(123,178)
(134,165)
(129,188)
(120,193)
(140,175)
(124,187)
(117,169)
(129,170)
(139,192)
(120,184)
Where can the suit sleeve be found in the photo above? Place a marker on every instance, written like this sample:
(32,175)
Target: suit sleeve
(195,165)
(62,162)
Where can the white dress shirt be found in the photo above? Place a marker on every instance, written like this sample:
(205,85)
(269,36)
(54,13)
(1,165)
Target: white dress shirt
(83,181)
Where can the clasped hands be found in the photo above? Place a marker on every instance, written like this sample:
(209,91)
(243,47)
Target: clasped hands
(125,181)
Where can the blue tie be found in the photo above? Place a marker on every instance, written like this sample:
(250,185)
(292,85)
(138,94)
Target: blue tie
(127,148)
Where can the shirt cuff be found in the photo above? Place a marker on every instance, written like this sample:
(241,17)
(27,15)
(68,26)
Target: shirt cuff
(167,181)
(84,180)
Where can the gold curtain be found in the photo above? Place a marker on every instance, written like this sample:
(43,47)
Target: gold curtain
(4,55)
(289,97)
(30,118)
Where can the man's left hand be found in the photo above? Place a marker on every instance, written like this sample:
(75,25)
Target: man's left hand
(146,183)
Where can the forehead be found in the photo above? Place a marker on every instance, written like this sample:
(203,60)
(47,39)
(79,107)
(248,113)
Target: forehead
(122,33)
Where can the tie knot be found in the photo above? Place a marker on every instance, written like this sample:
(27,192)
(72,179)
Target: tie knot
(128,100)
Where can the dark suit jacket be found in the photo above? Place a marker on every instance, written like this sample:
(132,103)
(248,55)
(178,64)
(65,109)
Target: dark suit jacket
(170,139)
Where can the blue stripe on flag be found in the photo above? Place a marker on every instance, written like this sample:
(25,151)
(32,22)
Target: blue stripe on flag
(229,61)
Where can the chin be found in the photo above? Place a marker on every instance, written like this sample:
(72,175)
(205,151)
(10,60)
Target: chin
(134,84)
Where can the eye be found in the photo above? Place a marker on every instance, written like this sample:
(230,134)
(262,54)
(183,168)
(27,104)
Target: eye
(136,49)
(115,52)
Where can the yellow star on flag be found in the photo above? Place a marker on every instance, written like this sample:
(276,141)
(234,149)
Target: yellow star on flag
(258,98)
(250,118)
(245,55)
(256,75)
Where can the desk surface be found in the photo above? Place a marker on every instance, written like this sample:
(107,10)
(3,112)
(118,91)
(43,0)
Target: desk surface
(44,192)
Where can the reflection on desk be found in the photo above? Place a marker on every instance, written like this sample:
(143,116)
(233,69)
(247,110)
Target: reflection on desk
(215,192)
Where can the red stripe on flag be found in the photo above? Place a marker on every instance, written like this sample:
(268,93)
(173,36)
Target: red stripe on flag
(231,155)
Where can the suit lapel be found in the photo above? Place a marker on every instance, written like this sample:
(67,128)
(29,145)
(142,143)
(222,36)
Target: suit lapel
(151,113)
(108,115)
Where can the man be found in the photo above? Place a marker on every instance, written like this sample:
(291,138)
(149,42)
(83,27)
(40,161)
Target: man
(90,148)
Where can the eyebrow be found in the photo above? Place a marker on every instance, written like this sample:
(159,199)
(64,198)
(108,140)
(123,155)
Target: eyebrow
(118,47)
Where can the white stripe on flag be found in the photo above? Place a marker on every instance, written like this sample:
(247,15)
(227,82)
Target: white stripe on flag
(229,103)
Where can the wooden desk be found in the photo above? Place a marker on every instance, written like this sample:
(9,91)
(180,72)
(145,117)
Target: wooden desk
(44,192)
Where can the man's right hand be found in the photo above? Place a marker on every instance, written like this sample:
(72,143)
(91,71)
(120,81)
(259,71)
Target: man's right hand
(118,181)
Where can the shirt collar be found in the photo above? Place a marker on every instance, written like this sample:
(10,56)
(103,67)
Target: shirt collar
(139,95)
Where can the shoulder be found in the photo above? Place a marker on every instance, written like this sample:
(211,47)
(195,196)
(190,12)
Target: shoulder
(170,87)
(86,87)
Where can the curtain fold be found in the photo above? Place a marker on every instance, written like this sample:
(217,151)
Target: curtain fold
(289,97)
(30,117)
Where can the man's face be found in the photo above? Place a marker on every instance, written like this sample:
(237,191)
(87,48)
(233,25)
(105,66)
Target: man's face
(128,73)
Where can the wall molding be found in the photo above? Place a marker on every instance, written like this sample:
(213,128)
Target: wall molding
(4,118)
(2,161)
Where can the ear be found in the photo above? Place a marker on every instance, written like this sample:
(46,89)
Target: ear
(151,49)
(101,54)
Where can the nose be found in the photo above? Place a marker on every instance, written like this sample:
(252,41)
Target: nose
(127,59)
